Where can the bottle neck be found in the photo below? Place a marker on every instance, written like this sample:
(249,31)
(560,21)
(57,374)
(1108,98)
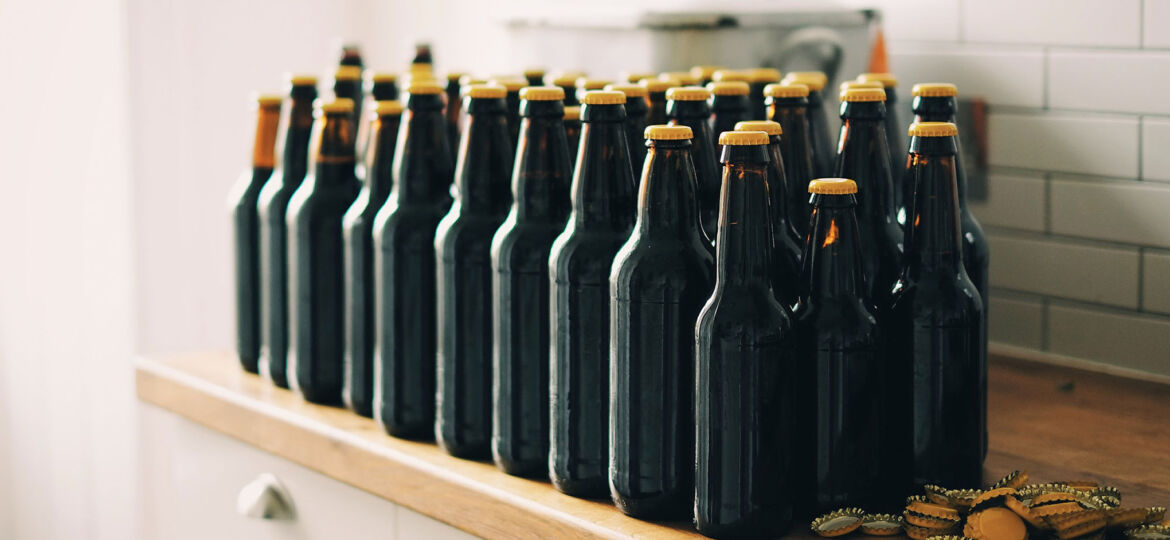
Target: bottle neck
(744,249)
(777,186)
(298,129)
(688,110)
(380,156)
(729,104)
(484,168)
(934,109)
(832,263)
(933,234)
(384,90)
(603,184)
(668,201)
(264,146)
(422,160)
(540,181)
(333,149)
(863,156)
(816,100)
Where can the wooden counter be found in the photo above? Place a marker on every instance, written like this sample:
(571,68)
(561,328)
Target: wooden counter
(1055,422)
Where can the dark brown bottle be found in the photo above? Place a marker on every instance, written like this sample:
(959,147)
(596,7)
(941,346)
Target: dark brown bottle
(938,103)
(656,99)
(745,370)
(637,111)
(823,150)
(579,264)
(729,106)
(588,84)
(512,101)
(895,129)
(453,108)
(786,258)
(316,259)
(246,231)
(573,130)
(660,279)
(788,106)
(404,267)
(357,230)
(347,84)
(843,426)
(758,79)
(704,73)
(567,82)
(483,172)
(382,86)
(863,156)
(351,55)
(422,55)
(634,77)
(690,106)
(521,304)
(534,77)
(935,330)
(378,87)
(296,126)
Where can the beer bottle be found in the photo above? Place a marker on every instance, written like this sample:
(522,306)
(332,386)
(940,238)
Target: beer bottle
(296,126)
(567,82)
(454,109)
(846,86)
(729,106)
(759,78)
(788,106)
(463,425)
(689,106)
(534,77)
(684,78)
(381,86)
(357,231)
(347,84)
(935,322)
(579,264)
(520,305)
(422,55)
(246,231)
(705,74)
(786,258)
(744,369)
(938,103)
(378,87)
(841,369)
(512,104)
(633,77)
(587,84)
(316,259)
(404,267)
(636,112)
(351,55)
(656,99)
(894,129)
(731,75)
(863,156)
(823,150)
(573,130)
(660,279)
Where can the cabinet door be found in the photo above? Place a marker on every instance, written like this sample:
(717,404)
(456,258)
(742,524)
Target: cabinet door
(191,476)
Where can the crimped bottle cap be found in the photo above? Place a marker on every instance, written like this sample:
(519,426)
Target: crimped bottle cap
(301,80)
(630,90)
(347,73)
(764,75)
(603,97)
(454,75)
(683,77)
(881,524)
(887,79)
(591,84)
(858,95)
(1022,510)
(635,76)
(388,107)
(510,84)
(933,129)
(534,73)
(743,138)
(815,80)
(334,105)
(421,68)
(668,133)
(1148,532)
(572,112)
(786,90)
(992,497)
(849,85)
(1079,524)
(424,86)
(542,93)
(381,76)
(560,79)
(838,522)
(935,90)
(486,91)
(832,186)
(729,88)
(995,524)
(1014,479)
(704,72)
(658,85)
(730,75)
(269,101)
(688,93)
(767,126)
(468,80)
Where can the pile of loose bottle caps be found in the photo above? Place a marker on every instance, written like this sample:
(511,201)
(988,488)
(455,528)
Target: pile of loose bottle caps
(1011,509)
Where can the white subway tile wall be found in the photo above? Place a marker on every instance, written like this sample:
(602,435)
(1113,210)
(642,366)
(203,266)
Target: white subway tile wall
(1078,206)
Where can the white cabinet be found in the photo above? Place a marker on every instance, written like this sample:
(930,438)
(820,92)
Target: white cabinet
(191,477)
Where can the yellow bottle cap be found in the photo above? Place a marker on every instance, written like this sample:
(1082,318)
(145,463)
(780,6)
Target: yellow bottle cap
(933,129)
(782,90)
(347,73)
(302,80)
(849,85)
(269,101)
(743,138)
(729,88)
(534,72)
(630,90)
(935,90)
(560,79)
(856,95)
(455,75)
(389,107)
(814,80)
(767,126)
(486,91)
(591,84)
(381,76)
(704,72)
(760,75)
(572,112)
(542,93)
(688,93)
(887,79)
(421,68)
(832,186)
(334,105)
(468,80)
(729,75)
(603,97)
(424,86)
(668,133)
(658,85)
(683,77)
(635,76)
(509,84)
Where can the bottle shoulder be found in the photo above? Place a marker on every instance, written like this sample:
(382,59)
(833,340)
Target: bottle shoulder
(660,260)
(936,295)
(736,311)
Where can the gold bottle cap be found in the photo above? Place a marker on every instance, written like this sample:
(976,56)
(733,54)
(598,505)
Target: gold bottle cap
(658,85)
(1025,513)
(1084,486)
(542,93)
(781,90)
(668,133)
(1126,518)
(688,93)
(838,522)
(929,509)
(815,80)
(922,533)
(630,90)
(421,68)
(862,95)
(833,186)
(534,73)
(269,101)
(510,84)
(1106,491)
(886,79)
(947,537)
(572,112)
(390,107)
(704,72)
(334,105)
(1014,479)
(1149,532)
(729,75)
(960,499)
(1078,524)
(1052,497)
(1156,514)
(486,91)
(935,90)
(929,523)
(603,97)
(454,76)
(424,86)
(635,76)
(995,524)
(381,76)
(586,83)
(759,75)
(849,85)
(743,138)
(767,126)
(1048,510)
(933,129)
(729,88)
(301,80)
(683,77)
(347,73)
(991,497)
(560,79)
(881,524)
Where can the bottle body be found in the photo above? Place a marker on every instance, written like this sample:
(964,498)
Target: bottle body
(697,116)
(246,251)
(796,151)
(786,257)
(823,151)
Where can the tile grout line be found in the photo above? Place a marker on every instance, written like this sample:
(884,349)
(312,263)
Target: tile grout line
(1047,207)
(1044,319)
(1142,24)
(1141,280)
(1046,73)
(1141,173)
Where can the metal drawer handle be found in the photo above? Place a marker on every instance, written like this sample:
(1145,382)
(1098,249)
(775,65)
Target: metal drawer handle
(266,498)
